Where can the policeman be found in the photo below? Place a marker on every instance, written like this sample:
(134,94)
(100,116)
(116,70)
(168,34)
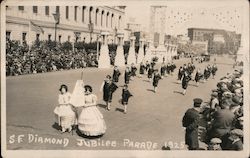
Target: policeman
(191,121)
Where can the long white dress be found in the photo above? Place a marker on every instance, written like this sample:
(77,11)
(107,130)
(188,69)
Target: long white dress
(90,120)
(64,113)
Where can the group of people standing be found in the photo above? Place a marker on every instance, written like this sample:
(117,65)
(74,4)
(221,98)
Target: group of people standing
(217,125)
(185,74)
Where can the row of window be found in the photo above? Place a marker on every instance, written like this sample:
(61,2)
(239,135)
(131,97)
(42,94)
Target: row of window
(103,14)
(24,37)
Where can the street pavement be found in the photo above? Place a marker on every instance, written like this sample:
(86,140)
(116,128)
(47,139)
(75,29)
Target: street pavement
(153,119)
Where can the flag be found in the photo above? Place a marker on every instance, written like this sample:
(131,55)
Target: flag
(36,28)
(77,98)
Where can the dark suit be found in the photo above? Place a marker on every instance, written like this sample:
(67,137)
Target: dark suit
(191,121)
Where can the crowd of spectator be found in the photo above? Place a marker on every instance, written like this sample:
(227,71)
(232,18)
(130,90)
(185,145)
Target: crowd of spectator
(221,124)
(43,56)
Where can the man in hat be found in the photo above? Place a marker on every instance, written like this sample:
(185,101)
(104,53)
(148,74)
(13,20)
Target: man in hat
(234,141)
(222,123)
(191,122)
(214,144)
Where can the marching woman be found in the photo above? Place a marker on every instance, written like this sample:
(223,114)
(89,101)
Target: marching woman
(125,97)
(163,69)
(198,76)
(116,74)
(90,120)
(127,75)
(186,78)
(150,73)
(108,88)
(133,70)
(156,79)
(168,68)
(206,74)
(214,70)
(64,111)
(180,73)
(172,68)
(142,69)
(147,66)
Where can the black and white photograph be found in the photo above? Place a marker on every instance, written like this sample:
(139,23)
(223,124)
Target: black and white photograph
(125,78)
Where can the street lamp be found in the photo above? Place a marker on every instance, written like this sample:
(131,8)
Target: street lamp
(57,20)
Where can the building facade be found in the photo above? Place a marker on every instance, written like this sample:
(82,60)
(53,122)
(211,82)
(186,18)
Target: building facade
(76,23)
(219,41)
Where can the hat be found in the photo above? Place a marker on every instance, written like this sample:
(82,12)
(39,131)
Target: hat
(237,132)
(214,94)
(227,94)
(197,102)
(240,118)
(215,141)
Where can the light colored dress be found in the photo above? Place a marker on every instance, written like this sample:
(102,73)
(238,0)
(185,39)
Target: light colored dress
(90,120)
(64,113)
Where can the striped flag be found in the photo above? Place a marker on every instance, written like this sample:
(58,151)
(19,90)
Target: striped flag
(36,28)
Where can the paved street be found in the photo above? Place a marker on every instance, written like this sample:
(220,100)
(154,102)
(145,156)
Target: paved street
(151,117)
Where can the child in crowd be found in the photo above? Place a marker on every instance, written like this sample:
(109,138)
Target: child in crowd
(125,97)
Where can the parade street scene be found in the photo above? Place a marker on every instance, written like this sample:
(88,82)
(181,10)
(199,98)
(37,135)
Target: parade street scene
(135,77)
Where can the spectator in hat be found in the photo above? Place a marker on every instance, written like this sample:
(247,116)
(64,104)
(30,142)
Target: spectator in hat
(191,121)
(214,103)
(222,123)
(234,141)
(215,144)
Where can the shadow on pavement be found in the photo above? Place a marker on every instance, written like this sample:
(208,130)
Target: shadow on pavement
(78,132)
(176,82)
(150,90)
(102,106)
(56,126)
(178,92)
(119,109)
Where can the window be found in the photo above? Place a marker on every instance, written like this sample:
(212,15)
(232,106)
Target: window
(7,35)
(35,9)
(24,36)
(67,12)
(119,21)
(75,13)
(102,18)
(96,14)
(46,10)
(49,37)
(59,38)
(107,19)
(112,16)
(83,14)
(90,12)
(21,8)
(58,9)
(37,36)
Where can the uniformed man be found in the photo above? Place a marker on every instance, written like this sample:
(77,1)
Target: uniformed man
(191,122)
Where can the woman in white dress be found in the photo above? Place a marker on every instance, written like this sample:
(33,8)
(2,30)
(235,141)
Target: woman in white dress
(90,120)
(64,113)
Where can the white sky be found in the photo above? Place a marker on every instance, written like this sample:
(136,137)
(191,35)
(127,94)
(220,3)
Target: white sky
(178,19)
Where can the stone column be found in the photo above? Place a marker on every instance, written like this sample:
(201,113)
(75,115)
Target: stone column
(148,56)
(119,58)
(140,55)
(131,56)
(104,59)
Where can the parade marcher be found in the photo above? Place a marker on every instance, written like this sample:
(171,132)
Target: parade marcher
(206,74)
(147,66)
(108,88)
(150,73)
(186,78)
(198,76)
(163,69)
(142,69)
(64,111)
(133,70)
(156,79)
(90,120)
(180,73)
(168,68)
(116,74)
(125,97)
(215,144)
(214,70)
(234,141)
(191,121)
(172,68)
(127,75)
